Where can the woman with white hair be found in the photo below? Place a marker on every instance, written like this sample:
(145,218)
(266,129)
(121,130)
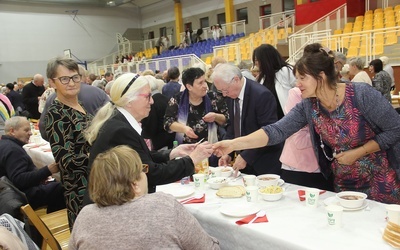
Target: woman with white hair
(117,123)
(345,73)
(357,70)
(388,68)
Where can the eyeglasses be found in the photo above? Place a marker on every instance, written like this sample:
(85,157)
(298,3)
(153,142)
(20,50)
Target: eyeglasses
(145,168)
(227,88)
(148,96)
(66,79)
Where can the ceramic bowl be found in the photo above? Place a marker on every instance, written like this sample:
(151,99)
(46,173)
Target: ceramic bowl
(226,171)
(217,182)
(266,180)
(351,199)
(271,193)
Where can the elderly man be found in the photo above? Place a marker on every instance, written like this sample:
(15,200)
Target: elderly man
(250,107)
(18,167)
(31,95)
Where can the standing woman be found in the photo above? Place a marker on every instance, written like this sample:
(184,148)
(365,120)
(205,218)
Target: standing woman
(381,80)
(275,74)
(195,113)
(354,130)
(65,121)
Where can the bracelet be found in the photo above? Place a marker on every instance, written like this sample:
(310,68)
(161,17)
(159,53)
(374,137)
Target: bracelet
(366,152)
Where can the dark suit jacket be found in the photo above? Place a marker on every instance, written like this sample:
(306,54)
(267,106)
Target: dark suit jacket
(153,125)
(117,131)
(258,110)
(30,96)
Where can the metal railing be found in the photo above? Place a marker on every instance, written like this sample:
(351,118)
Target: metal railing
(160,64)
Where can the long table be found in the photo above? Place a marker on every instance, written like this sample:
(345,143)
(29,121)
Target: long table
(291,225)
(40,153)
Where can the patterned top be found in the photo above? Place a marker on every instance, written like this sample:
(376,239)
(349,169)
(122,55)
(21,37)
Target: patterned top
(382,82)
(195,116)
(346,130)
(64,126)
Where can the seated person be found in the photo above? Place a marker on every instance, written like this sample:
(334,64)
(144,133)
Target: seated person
(118,186)
(18,167)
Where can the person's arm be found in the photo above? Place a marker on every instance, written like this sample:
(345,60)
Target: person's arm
(189,231)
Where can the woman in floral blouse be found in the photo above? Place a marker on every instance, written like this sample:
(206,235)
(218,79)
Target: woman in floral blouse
(195,113)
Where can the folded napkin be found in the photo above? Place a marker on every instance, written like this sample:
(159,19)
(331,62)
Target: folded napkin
(247,219)
(302,194)
(191,200)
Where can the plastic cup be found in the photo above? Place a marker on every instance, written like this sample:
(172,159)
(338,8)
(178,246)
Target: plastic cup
(215,172)
(312,195)
(252,193)
(249,180)
(334,216)
(393,213)
(199,180)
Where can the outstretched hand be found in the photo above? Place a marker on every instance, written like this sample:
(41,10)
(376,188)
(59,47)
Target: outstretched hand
(222,148)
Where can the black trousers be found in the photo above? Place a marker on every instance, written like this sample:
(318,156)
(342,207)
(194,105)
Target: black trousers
(316,180)
(50,194)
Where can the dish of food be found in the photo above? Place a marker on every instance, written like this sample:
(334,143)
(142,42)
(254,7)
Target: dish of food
(335,201)
(179,190)
(231,192)
(239,210)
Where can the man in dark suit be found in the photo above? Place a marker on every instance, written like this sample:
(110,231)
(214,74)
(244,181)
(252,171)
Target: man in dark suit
(31,95)
(250,106)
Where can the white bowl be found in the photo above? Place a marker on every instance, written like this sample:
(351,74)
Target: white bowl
(266,180)
(217,182)
(226,171)
(351,199)
(269,193)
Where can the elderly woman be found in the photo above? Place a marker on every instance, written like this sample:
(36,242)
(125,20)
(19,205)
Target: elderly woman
(118,186)
(354,130)
(357,70)
(64,122)
(117,123)
(195,113)
(381,80)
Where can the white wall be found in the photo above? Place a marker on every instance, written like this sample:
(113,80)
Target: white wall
(30,35)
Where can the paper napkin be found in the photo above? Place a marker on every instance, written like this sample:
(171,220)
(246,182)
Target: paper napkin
(247,219)
(302,194)
(201,200)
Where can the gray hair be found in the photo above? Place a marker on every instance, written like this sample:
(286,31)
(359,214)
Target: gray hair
(226,72)
(14,122)
(357,61)
(340,56)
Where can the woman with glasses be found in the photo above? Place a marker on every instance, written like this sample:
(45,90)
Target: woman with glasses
(118,123)
(124,216)
(64,124)
(354,130)
(195,113)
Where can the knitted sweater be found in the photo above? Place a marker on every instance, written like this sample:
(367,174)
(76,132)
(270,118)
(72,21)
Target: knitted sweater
(153,221)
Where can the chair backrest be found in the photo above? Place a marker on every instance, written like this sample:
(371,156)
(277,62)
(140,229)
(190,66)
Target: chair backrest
(41,227)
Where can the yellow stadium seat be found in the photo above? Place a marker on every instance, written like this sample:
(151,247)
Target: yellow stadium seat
(379,39)
(363,50)
(391,38)
(355,41)
(390,24)
(378,25)
(359,18)
(337,32)
(397,7)
(377,49)
(208,60)
(378,10)
(389,8)
(368,12)
(352,52)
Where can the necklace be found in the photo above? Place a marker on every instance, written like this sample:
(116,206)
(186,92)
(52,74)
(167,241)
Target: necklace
(336,128)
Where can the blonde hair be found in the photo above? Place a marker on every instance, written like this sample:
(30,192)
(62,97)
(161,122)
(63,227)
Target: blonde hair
(117,100)
(112,175)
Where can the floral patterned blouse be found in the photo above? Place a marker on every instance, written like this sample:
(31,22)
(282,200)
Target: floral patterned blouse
(64,128)
(195,116)
(348,129)
(382,82)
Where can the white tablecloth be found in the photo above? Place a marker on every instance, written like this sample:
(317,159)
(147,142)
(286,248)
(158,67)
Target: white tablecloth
(291,224)
(41,154)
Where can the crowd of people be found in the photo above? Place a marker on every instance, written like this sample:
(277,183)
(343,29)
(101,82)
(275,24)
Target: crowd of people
(322,123)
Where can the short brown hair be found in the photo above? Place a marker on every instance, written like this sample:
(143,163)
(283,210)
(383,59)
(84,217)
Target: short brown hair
(112,175)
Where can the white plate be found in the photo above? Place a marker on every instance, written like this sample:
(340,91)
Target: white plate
(334,201)
(239,210)
(179,190)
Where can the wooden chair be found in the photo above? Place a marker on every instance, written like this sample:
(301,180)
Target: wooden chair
(56,240)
